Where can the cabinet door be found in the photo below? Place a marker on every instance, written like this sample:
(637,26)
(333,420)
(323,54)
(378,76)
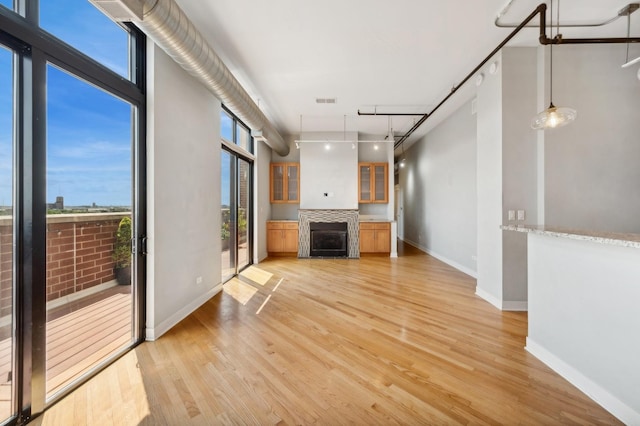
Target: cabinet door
(293,182)
(364,183)
(367,240)
(383,240)
(380,183)
(277,183)
(275,241)
(290,241)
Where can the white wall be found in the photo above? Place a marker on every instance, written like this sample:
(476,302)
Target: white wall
(440,209)
(583,318)
(183,193)
(262,209)
(592,168)
(489,186)
(331,171)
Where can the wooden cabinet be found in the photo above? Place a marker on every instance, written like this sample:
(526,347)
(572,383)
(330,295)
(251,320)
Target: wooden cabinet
(375,237)
(284,181)
(373,183)
(282,237)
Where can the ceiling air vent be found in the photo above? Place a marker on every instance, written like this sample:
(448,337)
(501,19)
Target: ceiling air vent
(120,10)
(326,100)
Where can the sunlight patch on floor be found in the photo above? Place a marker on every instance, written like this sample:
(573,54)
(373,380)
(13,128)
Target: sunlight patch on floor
(256,275)
(238,290)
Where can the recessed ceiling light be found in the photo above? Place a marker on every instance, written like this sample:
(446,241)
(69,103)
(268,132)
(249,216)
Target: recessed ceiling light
(326,100)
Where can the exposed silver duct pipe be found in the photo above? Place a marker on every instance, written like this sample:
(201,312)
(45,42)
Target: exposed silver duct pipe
(169,27)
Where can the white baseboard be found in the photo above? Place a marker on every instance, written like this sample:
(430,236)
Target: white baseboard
(512,305)
(489,298)
(594,391)
(444,259)
(503,305)
(155,333)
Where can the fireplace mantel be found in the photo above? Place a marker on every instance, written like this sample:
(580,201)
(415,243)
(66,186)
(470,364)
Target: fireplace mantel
(351,217)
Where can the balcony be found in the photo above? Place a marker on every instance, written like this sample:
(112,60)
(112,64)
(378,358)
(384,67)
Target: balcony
(88,314)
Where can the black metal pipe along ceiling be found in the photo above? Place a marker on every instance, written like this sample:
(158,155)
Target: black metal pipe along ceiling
(543,39)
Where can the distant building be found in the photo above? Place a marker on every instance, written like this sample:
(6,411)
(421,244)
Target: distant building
(58,205)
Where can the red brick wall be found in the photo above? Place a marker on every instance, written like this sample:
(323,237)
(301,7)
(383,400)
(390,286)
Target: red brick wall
(6,267)
(79,254)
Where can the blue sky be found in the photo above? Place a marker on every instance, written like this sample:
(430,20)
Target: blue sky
(226,131)
(88,131)
(6,153)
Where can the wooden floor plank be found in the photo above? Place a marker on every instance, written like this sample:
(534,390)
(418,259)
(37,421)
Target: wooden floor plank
(369,341)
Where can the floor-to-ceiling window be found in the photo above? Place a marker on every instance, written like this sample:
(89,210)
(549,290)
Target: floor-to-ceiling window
(236,195)
(72,202)
(7,353)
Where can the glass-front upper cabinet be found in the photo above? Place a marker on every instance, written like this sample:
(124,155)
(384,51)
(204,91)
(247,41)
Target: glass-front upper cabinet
(285,183)
(373,183)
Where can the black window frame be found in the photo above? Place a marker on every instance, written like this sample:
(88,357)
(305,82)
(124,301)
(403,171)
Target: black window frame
(35,48)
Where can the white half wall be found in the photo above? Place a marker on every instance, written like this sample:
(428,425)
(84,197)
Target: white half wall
(440,200)
(583,318)
(183,143)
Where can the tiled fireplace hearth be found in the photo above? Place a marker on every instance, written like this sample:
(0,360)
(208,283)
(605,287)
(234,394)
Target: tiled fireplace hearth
(305,217)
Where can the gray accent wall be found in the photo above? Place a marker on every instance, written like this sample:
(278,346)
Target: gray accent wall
(439,183)
(592,167)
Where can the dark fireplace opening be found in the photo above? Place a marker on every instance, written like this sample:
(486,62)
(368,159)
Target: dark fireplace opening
(328,239)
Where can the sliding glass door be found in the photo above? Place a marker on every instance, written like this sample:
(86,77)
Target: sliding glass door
(243,212)
(72,201)
(236,214)
(236,196)
(228,214)
(7,224)
(89,228)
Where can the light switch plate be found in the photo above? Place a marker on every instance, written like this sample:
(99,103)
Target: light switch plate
(520,214)
(512,215)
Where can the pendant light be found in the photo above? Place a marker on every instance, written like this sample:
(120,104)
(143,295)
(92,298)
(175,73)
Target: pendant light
(553,116)
(628,62)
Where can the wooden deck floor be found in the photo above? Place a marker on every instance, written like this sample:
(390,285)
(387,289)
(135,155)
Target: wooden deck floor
(334,341)
(79,336)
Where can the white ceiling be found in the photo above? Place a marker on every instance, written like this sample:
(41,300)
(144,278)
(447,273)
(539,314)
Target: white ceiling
(396,56)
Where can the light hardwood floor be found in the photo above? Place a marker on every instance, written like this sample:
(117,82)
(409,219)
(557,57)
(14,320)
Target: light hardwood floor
(369,341)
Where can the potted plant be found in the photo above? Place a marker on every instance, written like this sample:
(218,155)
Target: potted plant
(122,252)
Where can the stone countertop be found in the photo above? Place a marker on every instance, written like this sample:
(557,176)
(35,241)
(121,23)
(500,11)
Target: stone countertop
(359,220)
(611,238)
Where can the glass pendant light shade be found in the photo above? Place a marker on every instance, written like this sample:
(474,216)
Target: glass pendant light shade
(553,117)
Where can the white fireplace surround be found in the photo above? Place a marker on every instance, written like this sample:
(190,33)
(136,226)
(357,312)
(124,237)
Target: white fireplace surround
(351,217)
